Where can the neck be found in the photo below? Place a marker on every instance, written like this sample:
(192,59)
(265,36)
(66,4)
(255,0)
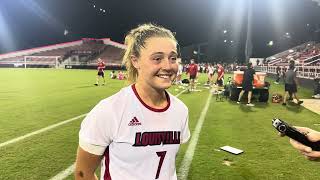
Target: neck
(152,97)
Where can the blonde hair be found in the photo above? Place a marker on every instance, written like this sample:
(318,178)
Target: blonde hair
(136,39)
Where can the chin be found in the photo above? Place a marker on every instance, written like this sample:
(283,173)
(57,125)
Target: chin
(163,85)
(167,86)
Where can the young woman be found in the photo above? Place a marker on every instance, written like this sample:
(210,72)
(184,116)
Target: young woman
(136,133)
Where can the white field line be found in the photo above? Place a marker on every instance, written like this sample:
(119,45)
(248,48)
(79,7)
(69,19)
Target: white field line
(70,169)
(65,173)
(187,159)
(181,92)
(40,130)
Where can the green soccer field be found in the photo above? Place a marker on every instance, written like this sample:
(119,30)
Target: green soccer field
(33,99)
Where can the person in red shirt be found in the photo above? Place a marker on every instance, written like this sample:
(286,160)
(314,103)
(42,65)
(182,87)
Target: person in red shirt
(220,76)
(101,66)
(192,70)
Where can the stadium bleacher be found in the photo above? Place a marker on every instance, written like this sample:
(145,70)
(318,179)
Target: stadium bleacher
(111,55)
(306,57)
(84,52)
(304,54)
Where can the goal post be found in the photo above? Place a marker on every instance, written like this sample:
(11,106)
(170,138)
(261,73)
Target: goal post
(48,61)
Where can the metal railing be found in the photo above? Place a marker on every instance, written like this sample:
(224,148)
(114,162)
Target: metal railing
(307,72)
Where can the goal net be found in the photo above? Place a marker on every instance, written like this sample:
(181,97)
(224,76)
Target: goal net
(41,61)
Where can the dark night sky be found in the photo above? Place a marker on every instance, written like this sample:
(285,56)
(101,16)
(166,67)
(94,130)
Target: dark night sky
(32,23)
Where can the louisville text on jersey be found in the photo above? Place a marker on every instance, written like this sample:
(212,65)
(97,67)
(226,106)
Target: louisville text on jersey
(157,138)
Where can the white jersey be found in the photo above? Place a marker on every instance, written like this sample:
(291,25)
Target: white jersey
(180,69)
(138,142)
(210,70)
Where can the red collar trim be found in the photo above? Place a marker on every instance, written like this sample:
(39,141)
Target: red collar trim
(149,107)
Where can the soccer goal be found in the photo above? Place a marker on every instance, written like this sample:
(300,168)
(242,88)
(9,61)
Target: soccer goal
(41,61)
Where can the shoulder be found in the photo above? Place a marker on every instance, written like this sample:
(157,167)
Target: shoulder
(177,103)
(107,110)
(101,124)
(110,104)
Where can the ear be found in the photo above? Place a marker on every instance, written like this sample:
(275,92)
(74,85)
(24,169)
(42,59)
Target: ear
(134,61)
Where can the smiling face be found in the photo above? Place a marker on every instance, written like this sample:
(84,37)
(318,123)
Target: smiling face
(157,64)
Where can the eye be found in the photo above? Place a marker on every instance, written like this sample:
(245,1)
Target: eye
(157,59)
(173,59)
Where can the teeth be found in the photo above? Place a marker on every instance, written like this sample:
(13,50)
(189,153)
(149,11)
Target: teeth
(164,76)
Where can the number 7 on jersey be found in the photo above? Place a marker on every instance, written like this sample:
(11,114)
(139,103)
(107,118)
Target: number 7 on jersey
(160,154)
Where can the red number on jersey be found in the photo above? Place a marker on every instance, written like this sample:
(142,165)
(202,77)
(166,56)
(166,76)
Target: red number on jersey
(160,154)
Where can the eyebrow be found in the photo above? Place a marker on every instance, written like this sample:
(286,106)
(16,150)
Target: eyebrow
(161,53)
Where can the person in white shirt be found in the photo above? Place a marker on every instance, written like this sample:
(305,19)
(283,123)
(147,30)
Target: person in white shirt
(210,74)
(136,133)
(180,71)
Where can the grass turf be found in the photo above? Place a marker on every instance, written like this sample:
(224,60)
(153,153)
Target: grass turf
(31,99)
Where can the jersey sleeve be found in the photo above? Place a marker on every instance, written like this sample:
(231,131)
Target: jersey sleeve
(96,131)
(185,133)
